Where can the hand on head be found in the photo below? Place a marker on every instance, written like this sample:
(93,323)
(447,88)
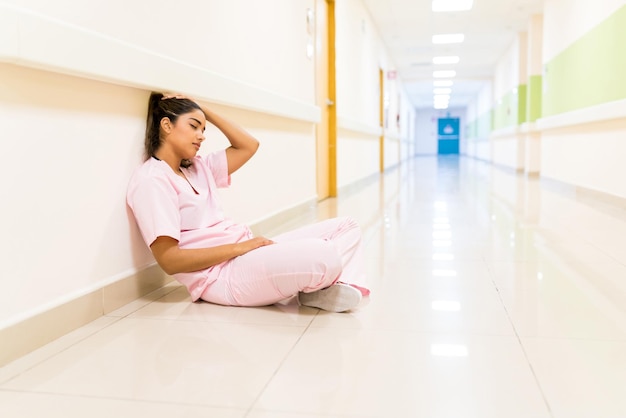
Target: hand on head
(176,96)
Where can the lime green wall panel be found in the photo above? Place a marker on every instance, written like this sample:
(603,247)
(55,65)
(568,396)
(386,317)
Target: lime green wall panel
(590,71)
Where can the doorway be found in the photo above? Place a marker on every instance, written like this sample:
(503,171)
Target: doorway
(448,135)
(326,130)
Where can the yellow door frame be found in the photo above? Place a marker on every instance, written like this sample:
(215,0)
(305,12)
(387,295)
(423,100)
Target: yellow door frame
(332,102)
(326,132)
(381,118)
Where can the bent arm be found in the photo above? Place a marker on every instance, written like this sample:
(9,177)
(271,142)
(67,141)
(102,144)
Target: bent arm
(242,145)
(173,259)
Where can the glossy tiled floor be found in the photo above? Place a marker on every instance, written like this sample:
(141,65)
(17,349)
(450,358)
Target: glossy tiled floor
(493,295)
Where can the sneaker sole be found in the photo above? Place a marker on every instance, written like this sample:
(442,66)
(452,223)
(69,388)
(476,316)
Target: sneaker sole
(336,298)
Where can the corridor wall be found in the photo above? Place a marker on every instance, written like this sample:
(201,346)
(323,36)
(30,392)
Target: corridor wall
(361,55)
(583,123)
(74,82)
(476,141)
(569,122)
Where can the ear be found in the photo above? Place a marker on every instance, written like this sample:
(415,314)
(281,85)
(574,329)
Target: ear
(166,125)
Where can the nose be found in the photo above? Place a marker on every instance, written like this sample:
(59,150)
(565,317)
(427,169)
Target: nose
(201,137)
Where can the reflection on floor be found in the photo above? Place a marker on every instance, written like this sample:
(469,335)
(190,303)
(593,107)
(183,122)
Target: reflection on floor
(493,295)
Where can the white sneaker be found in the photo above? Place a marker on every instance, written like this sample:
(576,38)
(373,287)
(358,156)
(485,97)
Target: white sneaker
(339,297)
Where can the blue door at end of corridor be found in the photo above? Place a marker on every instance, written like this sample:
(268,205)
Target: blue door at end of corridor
(448,135)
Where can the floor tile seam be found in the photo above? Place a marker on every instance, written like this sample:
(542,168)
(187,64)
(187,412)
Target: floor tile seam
(122,399)
(521,345)
(149,301)
(306,413)
(142,318)
(174,288)
(278,367)
(577,339)
(418,332)
(57,353)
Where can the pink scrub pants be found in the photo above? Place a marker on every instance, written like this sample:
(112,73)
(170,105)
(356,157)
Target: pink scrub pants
(303,260)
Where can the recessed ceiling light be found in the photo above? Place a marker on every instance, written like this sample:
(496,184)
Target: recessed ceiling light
(446,60)
(448,38)
(451,5)
(444,74)
(442,90)
(443,83)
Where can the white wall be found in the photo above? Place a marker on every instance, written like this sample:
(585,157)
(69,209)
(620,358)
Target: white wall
(242,39)
(592,149)
(72,136)
(506,76)
(594,157)
(477,145)
(70,144)
(565,21)
(361,54)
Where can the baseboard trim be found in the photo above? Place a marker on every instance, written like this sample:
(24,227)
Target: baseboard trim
(42,328)
(583,194)
(280,221)
(32,333)
(47,326)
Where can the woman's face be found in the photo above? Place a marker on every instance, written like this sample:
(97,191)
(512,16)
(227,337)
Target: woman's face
(186,135)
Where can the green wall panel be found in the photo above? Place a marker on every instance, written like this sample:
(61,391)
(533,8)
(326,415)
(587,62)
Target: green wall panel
(590,71)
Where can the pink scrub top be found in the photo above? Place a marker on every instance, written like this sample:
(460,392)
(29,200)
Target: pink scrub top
(165,204)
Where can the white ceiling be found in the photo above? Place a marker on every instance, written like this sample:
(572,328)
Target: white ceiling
(407,26)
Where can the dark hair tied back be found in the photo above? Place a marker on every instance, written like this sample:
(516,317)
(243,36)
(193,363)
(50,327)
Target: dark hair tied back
(158,108)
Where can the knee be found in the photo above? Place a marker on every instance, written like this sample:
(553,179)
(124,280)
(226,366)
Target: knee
(328,259)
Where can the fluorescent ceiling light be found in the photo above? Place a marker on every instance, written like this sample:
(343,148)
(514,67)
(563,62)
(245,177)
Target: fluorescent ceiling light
(442,90)
(444,74)
(443,83)
(451,5)
(446,60)
(448,38)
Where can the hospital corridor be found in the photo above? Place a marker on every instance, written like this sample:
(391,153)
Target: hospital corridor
(467,154)
(493,295)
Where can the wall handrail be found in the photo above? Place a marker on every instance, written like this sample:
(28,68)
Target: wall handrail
(69,49)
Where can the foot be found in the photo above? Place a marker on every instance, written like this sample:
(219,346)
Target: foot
(339,297)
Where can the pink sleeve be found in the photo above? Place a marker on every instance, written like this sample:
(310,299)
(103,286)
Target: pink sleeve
(218,166)
(154,203)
